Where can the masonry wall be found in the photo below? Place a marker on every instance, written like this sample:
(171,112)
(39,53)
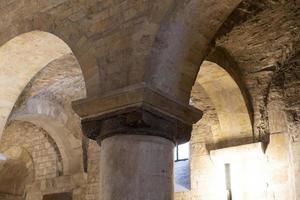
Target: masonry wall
(283,109)
(9,197)
(44,152)
(267,58)
(254,45)
(48,174)
(93,186)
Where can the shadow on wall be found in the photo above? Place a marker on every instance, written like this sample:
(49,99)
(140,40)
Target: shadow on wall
(16,172)
(221,81)
(228,142)
(21,59)
(58,196)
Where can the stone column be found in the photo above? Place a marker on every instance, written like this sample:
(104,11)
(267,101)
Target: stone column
(137,130)
(136,167)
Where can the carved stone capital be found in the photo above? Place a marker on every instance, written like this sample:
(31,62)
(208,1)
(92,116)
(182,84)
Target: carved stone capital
(137,121)
(136,111)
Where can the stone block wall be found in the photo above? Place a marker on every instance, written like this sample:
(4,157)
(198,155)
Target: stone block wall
(9,197)
(44,152)
(74,185)
(93,186)
(109,29)
(284,109)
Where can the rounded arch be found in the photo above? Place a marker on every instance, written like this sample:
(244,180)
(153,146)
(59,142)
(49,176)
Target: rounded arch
(222,57)
(52,118)
(182,43)
(16,171)
(235,125)
(66,146)
(65,19)
(21,59)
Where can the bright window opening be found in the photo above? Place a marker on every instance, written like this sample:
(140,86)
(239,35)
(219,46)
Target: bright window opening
(2,157)
(182,152)
(182,167)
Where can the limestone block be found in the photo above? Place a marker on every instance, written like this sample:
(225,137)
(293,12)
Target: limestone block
(277,120)
(277,150)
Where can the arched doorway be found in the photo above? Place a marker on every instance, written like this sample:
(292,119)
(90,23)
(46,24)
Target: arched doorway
(226,126)
(234,123)
(16,172)
(20,60)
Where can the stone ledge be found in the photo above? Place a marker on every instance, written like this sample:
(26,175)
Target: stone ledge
(238,153)
(137,110)
(137,121)
(139,96)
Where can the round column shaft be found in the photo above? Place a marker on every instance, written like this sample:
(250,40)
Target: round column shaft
(135,167)
(136,128)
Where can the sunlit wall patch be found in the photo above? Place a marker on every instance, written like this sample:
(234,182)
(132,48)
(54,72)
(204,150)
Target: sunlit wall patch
(2,157)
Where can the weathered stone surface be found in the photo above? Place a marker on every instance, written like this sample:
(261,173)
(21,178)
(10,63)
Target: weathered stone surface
(46,157)
(46,102)
(139,111)
(137,121)
(137,96)
(158,44)
(265,41)
(14,76)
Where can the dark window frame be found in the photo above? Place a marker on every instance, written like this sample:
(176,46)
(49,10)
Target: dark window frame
(177,154)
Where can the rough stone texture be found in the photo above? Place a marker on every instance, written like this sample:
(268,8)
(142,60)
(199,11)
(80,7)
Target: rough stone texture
(234,122)
(16,171)
(9,197)
(46,102)
(17,72)
(137,121)
(123,43)
(93,179)
(113,40)
(44,152)
(265,41)
(60,82)
(283,107)
(74,184)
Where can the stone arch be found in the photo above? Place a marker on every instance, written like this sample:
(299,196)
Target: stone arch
(222,57)
(45,102)
(65,19)
(39,144)
(52,118)
(68,146)
(226,122)
(229,97)
(30,52)
(16,171)
(183,42)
